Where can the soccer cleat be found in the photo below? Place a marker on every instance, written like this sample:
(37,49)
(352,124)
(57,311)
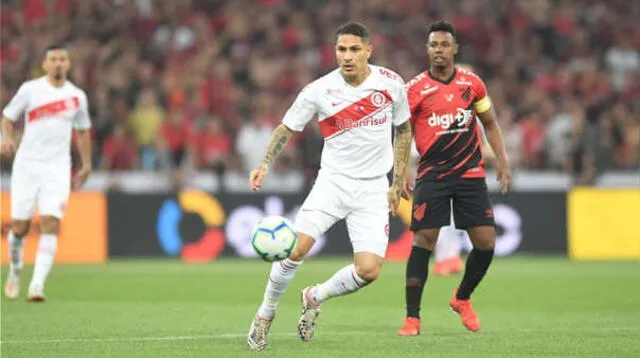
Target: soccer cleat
(12,286)
(466,312)
(448,267)
(411,327)
(258,332)
(307,321)
(36,294)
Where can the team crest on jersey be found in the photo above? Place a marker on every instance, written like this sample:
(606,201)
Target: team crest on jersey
(378,99)
(466,93)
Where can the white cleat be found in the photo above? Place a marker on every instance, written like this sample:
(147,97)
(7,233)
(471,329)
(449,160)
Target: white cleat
(36,294)
(12,287)
(258,332)
(307,321)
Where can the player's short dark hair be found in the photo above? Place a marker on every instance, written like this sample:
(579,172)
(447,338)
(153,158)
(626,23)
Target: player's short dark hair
(444,26)
(353,28)
(55,46)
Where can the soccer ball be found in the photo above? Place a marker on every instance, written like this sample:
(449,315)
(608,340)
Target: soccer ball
(274,238)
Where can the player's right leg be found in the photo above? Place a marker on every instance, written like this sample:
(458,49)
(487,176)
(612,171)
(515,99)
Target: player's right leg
(24,193)
(55,187)
(280,277)
(312,221)
(19,229)
(431,211)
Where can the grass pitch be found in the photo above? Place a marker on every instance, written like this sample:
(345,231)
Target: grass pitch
(529,307)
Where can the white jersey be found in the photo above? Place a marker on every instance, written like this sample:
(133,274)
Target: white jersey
(50,113)
(356,122)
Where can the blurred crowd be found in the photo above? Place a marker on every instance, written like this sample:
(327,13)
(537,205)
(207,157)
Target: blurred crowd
(200,84)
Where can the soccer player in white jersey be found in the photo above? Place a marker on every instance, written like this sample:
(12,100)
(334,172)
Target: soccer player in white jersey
(357,106)
(51,107)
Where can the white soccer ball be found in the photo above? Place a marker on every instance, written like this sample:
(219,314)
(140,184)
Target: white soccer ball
(274,238)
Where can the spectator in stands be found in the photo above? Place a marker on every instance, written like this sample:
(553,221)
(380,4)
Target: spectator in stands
(145,120)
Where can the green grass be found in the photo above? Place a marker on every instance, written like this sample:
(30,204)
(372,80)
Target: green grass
(529,307)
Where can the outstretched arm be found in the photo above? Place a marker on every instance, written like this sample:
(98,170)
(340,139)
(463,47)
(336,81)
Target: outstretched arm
(279,139)
(401,153)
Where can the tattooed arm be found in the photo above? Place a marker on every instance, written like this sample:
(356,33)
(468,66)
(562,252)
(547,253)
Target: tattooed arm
(279,139)
(401,153)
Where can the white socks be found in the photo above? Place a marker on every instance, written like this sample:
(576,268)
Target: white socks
(282,273)
(343,282)
(44,259)
(15,250)
(449,244)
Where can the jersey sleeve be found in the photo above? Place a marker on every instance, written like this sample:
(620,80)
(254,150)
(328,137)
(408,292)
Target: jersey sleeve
(302,110)
(482,102)
(17,105)
(82,120)
(413,99)
(401,112)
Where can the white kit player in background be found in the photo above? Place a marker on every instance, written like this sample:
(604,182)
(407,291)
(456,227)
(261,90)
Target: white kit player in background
(357,106)
(51,107)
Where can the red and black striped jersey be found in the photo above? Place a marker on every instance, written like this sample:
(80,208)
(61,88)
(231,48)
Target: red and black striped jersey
(443,116)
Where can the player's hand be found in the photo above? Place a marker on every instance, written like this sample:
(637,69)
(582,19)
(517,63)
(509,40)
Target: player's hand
(394,198)
(503,175)
(8,147)
(257,177)
(407,190)
(81,177)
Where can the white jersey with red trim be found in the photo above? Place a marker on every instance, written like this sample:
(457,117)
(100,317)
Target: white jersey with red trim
(356,122)
(50,113)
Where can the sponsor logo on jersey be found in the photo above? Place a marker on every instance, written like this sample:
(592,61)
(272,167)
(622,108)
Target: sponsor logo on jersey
(461,118)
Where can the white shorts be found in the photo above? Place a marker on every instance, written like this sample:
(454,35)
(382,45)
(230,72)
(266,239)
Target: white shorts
(362,202)
(43,184)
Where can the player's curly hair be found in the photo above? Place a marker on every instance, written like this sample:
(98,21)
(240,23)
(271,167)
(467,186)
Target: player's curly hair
(444,26)
(353,28)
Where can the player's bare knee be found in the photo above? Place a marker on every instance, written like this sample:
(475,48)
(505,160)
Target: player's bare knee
(303,246)
(20,228)
(426,239)
(483,237)
(49,225)
(297,254)
(485,244)
(368,272)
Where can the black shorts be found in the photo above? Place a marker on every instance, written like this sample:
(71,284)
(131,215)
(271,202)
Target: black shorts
(432,204)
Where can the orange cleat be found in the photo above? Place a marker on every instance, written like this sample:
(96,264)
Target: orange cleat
(448,267)
(466,312)
(411,327)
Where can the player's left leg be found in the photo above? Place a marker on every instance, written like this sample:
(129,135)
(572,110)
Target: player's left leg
(368,228)
(47,246)
(52,202)
(473,212)
(24,193)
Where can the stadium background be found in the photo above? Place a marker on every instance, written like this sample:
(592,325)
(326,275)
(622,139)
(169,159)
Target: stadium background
(184,96)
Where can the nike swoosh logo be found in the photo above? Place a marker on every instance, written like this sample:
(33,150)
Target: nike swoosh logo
(337,103)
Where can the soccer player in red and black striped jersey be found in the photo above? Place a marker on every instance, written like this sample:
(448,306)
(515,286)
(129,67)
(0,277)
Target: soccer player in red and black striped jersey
(444,102)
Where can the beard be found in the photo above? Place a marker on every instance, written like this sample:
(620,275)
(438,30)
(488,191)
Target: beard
(57,75)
